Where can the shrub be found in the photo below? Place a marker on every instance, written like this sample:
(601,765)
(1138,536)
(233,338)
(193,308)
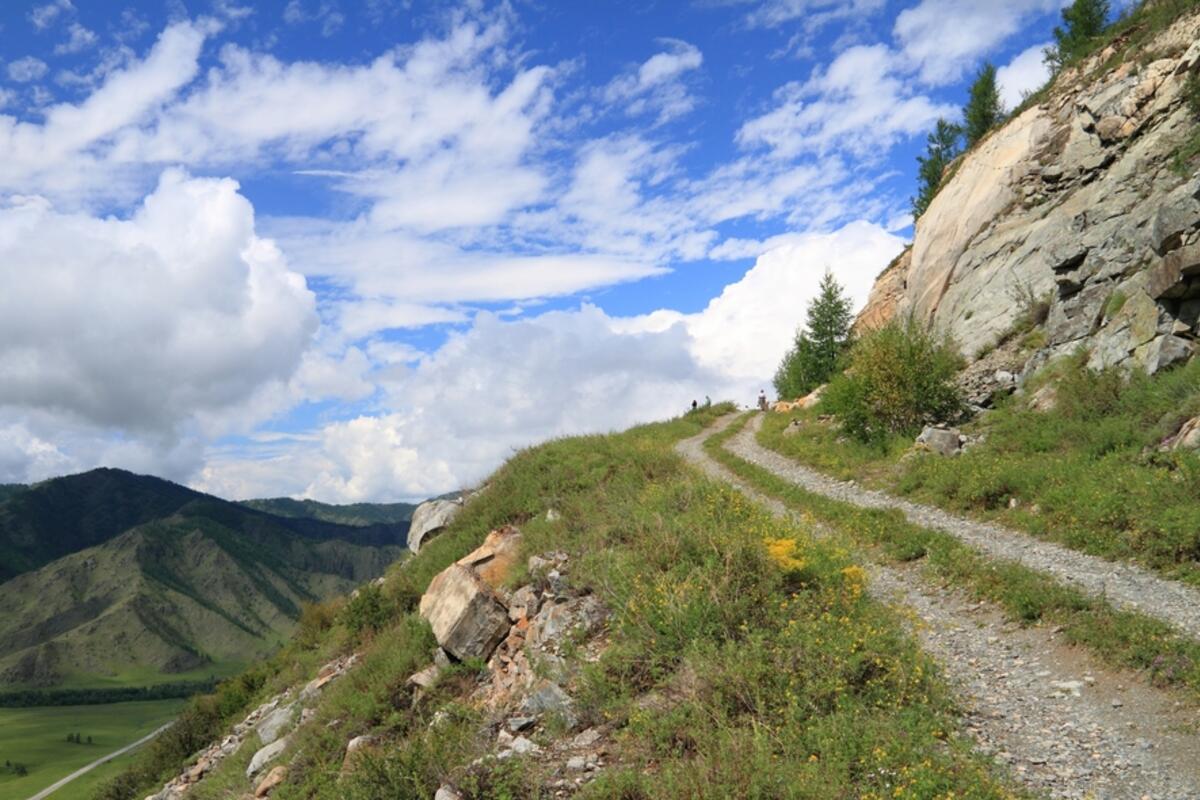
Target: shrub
(1191,93)
(368,610)
(316,619)
(900,377)
(1033,308)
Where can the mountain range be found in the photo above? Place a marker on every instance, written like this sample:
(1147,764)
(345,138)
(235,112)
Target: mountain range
(110,579)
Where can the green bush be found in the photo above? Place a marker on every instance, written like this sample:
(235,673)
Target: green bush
(368,610)
(900,377)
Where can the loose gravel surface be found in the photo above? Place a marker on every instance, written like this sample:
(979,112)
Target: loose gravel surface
(1063,725)
(1124,585)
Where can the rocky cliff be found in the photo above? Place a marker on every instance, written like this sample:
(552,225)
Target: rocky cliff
(1081,200)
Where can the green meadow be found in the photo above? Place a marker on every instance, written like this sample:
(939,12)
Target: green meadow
(37,739)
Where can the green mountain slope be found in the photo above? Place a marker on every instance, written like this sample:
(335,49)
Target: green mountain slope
(356,514)
(119,579)
(54,518)
(172,596)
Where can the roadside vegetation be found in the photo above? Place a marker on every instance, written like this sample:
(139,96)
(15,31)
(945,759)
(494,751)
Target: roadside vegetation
(898,379)
(1087,473)
(1120,638)
(784,677)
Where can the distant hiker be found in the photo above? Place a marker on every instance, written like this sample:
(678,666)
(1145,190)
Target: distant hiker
(695,405)
(707,401)
(762,400)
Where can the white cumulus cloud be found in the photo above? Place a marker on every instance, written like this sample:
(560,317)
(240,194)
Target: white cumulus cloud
(140,325)
(1026,73)
(26,69)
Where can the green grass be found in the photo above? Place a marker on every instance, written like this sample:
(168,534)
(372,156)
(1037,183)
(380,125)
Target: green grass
(1120,638)
(804,687)
(1086,475)
(37,737)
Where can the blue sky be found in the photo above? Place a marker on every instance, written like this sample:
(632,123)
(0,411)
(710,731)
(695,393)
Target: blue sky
(361,249)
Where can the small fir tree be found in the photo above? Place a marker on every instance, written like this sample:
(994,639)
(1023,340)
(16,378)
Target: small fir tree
(814,356)
(983,111)
(941,149)
(1083,21)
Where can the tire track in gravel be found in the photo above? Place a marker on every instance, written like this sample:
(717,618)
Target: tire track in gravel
(1125,586)
(1063,724)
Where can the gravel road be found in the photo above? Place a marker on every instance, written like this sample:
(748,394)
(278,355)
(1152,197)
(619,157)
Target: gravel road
(1061,723)
(1126,586)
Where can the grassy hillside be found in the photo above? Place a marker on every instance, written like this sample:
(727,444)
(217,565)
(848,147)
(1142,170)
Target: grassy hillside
(742,657)
(206,586)
(36,739)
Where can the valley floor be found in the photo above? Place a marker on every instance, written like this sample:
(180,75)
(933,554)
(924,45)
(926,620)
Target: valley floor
(1066,722)
(37,738)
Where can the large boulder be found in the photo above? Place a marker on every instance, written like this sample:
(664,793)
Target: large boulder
(464,603)
(429,518)
(467,617)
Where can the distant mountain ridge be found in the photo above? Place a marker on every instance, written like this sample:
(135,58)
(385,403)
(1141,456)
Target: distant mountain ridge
(108,577)
(357,514)
(47,520)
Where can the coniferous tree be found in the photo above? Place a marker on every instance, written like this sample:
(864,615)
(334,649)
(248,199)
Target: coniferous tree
(941,149)
(814,356)
(983,111)
(1083,21)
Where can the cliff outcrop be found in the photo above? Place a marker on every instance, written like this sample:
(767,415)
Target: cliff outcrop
(1078,200)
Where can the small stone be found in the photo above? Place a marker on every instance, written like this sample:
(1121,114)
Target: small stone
(586,739)
(576,763)
(276,776)
(522,746)
(518,724)
(445,792)
(1117,704)
(1073,688)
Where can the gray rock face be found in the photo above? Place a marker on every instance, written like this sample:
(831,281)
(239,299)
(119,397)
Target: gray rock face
(1177,216)
(1074,200)
(1164,352)
(549,698)
(429,518)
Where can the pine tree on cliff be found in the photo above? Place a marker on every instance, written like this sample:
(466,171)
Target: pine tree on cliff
(983,111)
(942,148)
(1083,21)
(814,356)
